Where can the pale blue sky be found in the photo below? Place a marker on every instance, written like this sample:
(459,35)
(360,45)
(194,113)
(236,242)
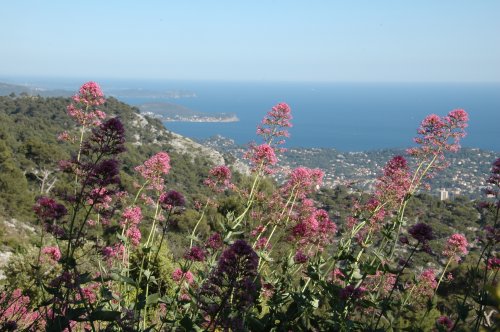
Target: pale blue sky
(272,40)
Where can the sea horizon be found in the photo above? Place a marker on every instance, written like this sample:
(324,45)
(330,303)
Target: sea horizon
(347,116)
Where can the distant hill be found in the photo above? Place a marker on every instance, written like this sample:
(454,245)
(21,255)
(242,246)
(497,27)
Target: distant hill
(7,89)
(167,109)
(174,112)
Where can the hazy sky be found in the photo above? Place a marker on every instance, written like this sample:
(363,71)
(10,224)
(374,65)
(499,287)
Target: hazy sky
(344,40)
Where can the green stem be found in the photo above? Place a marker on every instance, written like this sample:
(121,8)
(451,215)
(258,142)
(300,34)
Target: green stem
(198,223)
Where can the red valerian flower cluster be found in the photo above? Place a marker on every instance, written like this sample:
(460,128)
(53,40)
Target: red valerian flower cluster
(437,135)
(219,179)
(302,181)
(154,168)
(274,124)
(456,246)
(395,183)
(84,110)
(262,157)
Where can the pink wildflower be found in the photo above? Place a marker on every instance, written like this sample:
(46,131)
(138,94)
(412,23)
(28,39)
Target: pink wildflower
(99,198)
(337,274)
(88,98)
(437,135)
(274,124)
(131,216)
(493,263)
(178,276)
(267,290)
(381,282)
(262,157)
(65,137)
(455,246)
(88,293)
(111,253)
(48,209)
(15,312)
(52,252)
(189,277)
(90,94)
(134,235)
(219,179)
(258,230)
(154,168)
(395,183)
(262,244)
(326,228)
(427,283)
(302,181)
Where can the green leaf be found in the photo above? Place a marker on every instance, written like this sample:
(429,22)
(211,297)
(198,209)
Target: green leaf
(121,237)
(187,323)
(105,315)
(127,280)
(255,325)
(75,313)
(265,256)
(153,299)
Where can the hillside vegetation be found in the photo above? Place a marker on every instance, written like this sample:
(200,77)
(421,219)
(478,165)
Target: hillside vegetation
(116,224)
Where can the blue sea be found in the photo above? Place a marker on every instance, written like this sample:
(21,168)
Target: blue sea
(345,116)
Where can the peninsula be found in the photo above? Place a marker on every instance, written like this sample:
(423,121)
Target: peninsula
(169,112)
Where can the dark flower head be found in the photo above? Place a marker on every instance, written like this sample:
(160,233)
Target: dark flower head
(421,232)
(235,278)
(107,139)
(300,257)
(445,322)
(214,242)
(172,199)
(195,254)
(9,325)
(48,209)
(105,173)
(352,292)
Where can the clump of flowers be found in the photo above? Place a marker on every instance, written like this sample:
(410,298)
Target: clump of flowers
(15,313)
(53,253)
(84,109)
(195,254)
(435,136)
(172,199)
(395,183)
(427,281)
(456,246)
(262,157)
(273,126)
(445,323)
(219,179)
(232,287)
(421,232)
(302,181)
(153,170)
